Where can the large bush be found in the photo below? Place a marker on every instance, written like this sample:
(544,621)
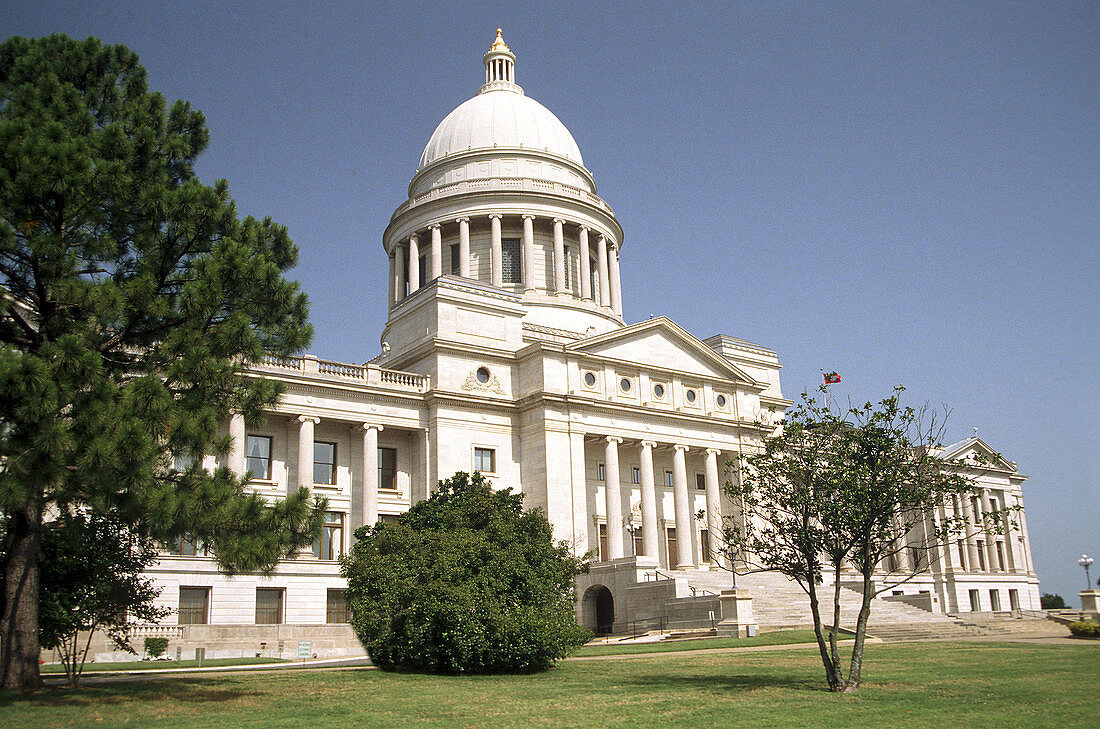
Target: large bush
(465,582)
(1085,629)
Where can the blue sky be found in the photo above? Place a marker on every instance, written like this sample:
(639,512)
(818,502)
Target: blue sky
(904,193)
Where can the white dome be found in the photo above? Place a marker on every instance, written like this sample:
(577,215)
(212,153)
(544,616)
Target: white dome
(500,118)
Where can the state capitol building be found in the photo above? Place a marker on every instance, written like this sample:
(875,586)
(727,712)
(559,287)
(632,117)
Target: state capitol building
(505,352)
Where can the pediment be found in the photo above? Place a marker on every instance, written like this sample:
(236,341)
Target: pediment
(663,344)
(976,452)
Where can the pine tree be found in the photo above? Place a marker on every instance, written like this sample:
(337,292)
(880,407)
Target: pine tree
(132,299)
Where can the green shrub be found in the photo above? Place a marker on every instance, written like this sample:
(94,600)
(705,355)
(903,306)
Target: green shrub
(1085,629)
(155,647)
(465,582)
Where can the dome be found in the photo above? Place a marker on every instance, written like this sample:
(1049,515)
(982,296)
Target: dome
(500,118)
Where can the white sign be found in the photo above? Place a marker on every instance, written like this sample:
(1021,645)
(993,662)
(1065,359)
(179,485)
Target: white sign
(305,649)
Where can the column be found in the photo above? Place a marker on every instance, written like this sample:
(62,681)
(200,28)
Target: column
(1010,534)
(369,467)
(414,264)
(528,252)
(601,261)
(972,533)
(714,506)
(436,261)
(495,252)
(613,498)
(305,451)
(586,264)
(236,447)
(990,535)
(400,258)
(649,501)
(684,528)
(613,269)
(464,247)
(393,281)
(559,256)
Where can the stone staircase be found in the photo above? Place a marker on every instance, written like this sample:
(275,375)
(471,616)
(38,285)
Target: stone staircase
(780,604)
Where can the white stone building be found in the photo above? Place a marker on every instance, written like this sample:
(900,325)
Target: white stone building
(506,352)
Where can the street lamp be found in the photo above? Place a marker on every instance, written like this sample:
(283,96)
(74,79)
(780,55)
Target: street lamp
(1085,561)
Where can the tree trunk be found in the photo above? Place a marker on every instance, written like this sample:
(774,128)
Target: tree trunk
(856,668)
(19,627)
(832,673)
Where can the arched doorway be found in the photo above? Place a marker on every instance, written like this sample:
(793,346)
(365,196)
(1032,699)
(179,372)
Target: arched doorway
(599,609)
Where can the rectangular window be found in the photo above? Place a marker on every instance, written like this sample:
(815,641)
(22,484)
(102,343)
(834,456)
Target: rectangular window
(892,562)
(975,601)
(704,545)
(603,542)
(194,606)
(423,268)
(700,482)
(324,463)
(188,546)
(981,555)
(183,461)
(668,479)
(601,474)
(456,260)
(336,607)
(594,279)
(568,285)
(962,554)
(388,518)
(387,469)
(258,456)
(485,460)
(916,556)
(639,544)
(330,545)
(1000,555)
(635,475)
(995,600)
(670,539)
(510,261)
(269,605)
(1014,599)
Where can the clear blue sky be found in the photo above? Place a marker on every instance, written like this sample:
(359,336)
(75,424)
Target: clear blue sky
(907,193)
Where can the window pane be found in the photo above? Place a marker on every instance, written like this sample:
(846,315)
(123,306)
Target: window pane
(193,605)
(700,482)
(510,263)
(455,260)
(336,607)
(330,545)
(668,479)
(269,606)
(387,468)
(567,268)
(324,463)
(484,460)
(258,460)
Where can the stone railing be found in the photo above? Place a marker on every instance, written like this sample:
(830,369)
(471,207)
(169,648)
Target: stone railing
(365,373)
(156,631)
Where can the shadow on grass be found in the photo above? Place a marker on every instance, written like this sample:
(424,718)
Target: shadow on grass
(186,690)
(723,683)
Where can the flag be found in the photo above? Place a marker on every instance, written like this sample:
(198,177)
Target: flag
(831,378)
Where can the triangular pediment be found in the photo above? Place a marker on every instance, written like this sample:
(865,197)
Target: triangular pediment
(977,452)
(662,343)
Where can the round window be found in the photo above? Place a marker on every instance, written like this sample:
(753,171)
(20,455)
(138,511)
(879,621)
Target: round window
(690,395)
(589,379)
(659,390)
(482,375)
(721,401)
(624,384)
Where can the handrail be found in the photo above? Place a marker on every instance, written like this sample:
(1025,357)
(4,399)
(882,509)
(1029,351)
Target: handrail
(657,575)
(701,591)
(662,624)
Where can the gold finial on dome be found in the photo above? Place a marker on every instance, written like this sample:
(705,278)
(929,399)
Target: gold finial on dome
(499,44)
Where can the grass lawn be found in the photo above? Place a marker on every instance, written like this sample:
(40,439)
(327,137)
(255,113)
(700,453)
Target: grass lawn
(90,668)
(780,637)
(946,685)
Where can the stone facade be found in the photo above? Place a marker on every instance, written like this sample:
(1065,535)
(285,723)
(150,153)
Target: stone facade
(505,351)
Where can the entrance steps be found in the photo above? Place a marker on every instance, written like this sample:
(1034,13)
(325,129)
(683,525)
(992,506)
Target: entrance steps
(780,603)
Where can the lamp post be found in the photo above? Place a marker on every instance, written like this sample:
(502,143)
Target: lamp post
(1085,562)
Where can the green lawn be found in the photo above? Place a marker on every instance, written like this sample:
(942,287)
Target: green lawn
(780,637)
(945,685)
(90,668)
